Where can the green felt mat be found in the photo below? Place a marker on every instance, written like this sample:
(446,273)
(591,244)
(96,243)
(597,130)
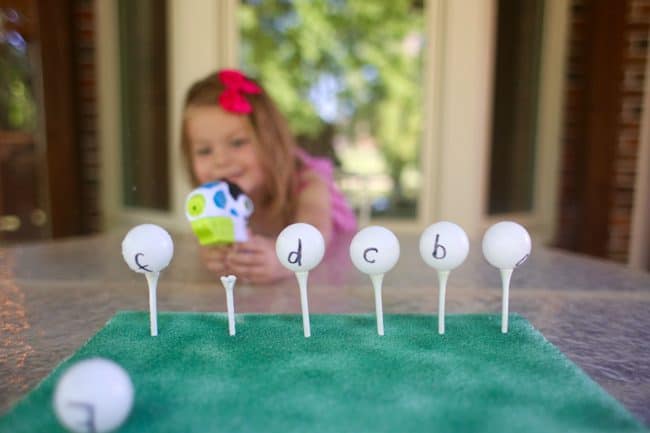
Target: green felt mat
(193,377)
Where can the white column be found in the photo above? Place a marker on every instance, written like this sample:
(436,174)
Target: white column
(550,116)
(639,256)
(108,106)
(462,74)
(193,28)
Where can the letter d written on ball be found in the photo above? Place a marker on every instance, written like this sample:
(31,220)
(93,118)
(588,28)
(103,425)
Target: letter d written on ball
(295,257)
(300,247)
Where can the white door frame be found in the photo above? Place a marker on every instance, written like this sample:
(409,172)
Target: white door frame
(541,220)
(639,257)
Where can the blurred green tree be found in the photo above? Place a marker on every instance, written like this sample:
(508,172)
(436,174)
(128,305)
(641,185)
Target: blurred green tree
(17,106)
(352,65)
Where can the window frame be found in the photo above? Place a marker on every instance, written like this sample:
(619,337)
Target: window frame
(541,220)
(457,109)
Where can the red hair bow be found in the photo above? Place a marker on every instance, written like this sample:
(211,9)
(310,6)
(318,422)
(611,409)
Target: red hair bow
(236,85)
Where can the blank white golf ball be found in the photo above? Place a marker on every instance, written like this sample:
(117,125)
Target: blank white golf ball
(94,395)
(444,246)
(300,247)
(506,245)
(374,250)
(147,248)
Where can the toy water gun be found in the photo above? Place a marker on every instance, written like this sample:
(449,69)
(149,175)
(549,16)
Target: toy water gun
(218,212)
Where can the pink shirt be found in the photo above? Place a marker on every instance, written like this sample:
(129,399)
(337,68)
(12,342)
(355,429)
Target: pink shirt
(343,218)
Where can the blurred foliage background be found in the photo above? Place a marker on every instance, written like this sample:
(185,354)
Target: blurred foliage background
(17,107)
(348,76)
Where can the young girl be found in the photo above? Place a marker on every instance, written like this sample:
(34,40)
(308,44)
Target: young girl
(232,130)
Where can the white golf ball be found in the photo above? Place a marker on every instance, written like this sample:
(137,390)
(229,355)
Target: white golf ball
(444,246)
(506,245)
(300,247)
(374,250)
(147,248)
(94,395)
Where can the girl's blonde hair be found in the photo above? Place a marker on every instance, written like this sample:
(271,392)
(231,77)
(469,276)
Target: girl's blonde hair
(276,145)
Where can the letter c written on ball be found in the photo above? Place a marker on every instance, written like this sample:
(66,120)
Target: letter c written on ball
(366,253)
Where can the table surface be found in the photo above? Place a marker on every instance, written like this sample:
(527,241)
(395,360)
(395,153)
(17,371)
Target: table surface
(56,295)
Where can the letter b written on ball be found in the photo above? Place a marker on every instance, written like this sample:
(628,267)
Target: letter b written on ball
(439,251)
(444,246)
